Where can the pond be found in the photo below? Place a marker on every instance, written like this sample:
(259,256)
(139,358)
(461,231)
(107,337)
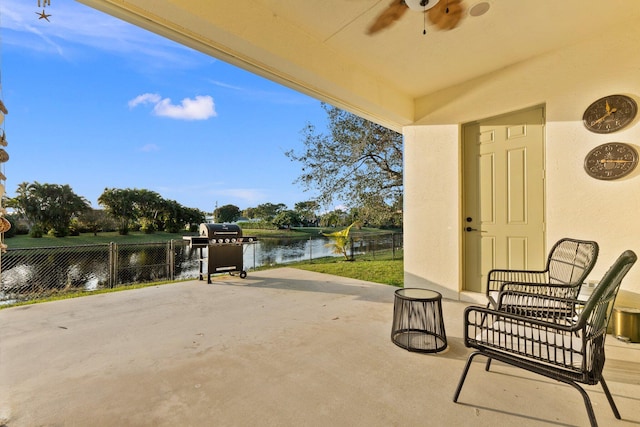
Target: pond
(270,251)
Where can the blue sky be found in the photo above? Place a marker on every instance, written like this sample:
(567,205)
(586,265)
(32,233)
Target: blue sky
(97,103)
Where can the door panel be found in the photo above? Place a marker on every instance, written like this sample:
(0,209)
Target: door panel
(503,195)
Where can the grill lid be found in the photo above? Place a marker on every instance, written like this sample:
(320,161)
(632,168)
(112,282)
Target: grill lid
(214,231)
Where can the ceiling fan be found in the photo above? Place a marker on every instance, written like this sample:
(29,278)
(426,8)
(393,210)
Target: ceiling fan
(444,14)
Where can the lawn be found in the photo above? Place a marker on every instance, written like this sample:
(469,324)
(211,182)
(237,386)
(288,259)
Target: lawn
(386,271)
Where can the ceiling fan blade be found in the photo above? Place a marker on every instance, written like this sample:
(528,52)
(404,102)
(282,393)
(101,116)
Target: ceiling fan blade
(390,15)
(447,14)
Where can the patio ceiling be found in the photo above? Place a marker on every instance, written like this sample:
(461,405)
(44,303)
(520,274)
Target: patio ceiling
(320,47)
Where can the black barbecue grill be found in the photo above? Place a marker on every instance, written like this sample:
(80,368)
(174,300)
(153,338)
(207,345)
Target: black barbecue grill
(224,243)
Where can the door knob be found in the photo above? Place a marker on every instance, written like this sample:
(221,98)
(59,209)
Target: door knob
(471,229)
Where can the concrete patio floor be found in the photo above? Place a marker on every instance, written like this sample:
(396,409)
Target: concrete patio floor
(283,347)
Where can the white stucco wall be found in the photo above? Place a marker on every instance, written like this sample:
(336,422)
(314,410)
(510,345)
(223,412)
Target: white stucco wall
(432,208)
(566,82)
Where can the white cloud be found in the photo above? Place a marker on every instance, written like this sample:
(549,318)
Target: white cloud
(198,108)
(147,148)
(145,98)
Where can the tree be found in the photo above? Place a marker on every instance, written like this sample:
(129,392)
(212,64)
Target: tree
(94,220)
(375,211)
(356,158)
(192,217)
(226,213)
(249,213)
(149,209)
(147,206)
(307,211)
(268,211)
(340,243)
(119,204)
(286,219)
(334,218)
(174,217)
(48,206)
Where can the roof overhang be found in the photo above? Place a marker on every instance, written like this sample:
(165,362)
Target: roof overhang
(321,48)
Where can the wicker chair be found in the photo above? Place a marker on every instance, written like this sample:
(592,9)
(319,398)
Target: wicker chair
(568,264)
(561,345)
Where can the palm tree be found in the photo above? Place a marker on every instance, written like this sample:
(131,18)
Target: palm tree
(340,242)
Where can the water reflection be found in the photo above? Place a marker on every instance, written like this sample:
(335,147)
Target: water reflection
(270,251)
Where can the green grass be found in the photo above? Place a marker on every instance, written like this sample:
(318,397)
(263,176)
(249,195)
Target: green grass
(388,272)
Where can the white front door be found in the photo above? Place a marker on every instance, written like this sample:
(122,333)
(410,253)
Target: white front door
(503,213)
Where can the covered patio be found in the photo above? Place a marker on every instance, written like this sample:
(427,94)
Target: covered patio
(284,347)
(448,92)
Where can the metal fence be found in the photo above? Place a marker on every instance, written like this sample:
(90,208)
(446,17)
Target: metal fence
(36,273)
(379,246)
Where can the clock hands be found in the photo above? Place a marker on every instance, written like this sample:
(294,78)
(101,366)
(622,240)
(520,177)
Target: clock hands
(615,161)
(609,112)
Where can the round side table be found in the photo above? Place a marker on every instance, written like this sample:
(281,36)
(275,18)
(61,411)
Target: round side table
(417,320)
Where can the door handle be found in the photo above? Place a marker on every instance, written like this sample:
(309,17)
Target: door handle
(473,229)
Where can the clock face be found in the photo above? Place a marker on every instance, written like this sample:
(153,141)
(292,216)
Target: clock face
(610,114)
(611,161)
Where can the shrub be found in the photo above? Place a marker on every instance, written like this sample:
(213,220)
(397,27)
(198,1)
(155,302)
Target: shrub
(36,232)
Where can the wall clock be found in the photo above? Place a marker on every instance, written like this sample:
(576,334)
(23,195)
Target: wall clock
(612,160)
(610,113)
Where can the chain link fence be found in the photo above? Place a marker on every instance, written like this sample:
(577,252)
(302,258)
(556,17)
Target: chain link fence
(36,273)
(379,246)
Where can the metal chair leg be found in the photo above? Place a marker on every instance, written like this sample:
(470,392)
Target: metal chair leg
(587,403)
(464,375)
(610,398)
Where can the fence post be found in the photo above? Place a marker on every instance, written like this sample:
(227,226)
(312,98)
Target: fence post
(393,246)
(112,261)
(171,259)
(310,250)
(373,245)
(351,249)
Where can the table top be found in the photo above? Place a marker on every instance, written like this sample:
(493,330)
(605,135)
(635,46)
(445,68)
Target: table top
(418,294)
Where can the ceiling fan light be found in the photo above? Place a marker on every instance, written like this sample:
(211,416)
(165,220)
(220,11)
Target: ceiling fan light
(421,5)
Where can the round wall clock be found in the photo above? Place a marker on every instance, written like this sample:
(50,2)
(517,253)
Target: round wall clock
(612,160)
(610,114)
